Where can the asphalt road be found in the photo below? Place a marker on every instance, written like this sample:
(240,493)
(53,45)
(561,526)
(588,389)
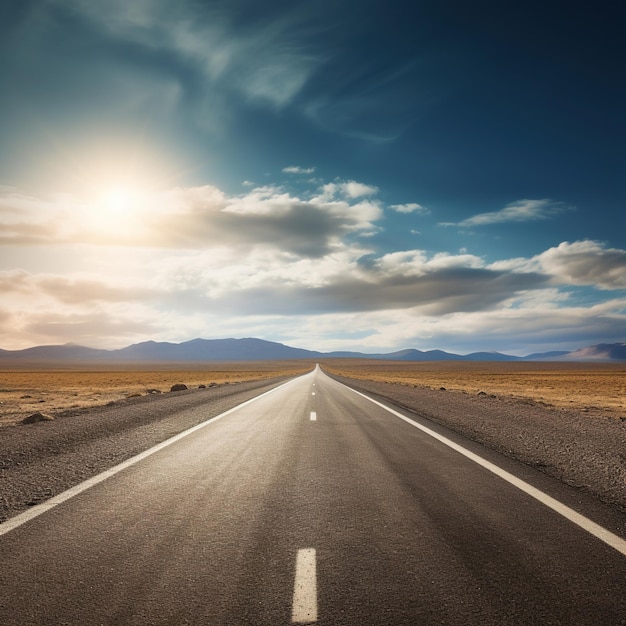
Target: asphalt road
(311,504)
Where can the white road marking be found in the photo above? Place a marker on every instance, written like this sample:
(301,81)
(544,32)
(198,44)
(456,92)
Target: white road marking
(313,394)
(583,522)
(313,416)
(39,509)
(304,605)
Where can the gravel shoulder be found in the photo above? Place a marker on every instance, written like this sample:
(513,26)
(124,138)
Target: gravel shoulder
(586,450)
(38,461)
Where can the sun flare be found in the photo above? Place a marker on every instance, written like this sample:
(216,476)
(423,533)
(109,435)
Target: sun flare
(114,207)
(118,199)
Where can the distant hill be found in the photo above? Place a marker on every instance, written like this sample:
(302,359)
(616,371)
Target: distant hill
(599,352)
(66,352)
(250,349)
(418,355)
(491,356)
(212,350)
(546,356)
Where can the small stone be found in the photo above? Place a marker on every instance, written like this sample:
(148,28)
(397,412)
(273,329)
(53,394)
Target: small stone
(179,387)
(37,417)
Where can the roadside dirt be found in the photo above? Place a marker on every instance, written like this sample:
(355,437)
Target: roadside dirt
(583,386)
(25,392)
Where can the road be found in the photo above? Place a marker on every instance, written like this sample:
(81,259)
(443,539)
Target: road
(310,504)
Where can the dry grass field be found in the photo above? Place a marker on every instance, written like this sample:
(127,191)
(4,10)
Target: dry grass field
(590,387)
(25,392)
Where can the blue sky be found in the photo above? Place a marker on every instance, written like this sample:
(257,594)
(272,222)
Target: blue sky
(333,175)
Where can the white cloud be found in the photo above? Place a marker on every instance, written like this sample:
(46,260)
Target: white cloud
(197,262)
(411,207)
(348,189)
(585,263)
(196,217)
(296,169)
(418,263)
(520,211)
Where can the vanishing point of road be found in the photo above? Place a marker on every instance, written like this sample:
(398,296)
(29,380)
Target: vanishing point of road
(311,504)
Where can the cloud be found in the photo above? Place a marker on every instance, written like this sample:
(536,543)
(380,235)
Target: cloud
(411,207)
(92,328)
(198,261)
(264,60)
(75,289)
(349,189)
(531,323)
(581,263)
(376,98)
(585,263)
(198,217)
(349,281)
(265,217)
(520,211)
(295,169)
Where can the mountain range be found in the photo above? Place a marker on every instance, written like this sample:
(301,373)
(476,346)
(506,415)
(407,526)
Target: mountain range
(250,349)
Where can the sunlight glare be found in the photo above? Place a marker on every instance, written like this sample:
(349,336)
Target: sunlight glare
(118,199)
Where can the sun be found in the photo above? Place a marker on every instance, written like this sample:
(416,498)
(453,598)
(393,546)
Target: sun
(118,199)
(114,206)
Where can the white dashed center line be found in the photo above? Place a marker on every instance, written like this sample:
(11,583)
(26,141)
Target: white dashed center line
(313,416)
(304,607)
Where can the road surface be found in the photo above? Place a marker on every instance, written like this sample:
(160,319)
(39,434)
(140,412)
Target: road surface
(312,504)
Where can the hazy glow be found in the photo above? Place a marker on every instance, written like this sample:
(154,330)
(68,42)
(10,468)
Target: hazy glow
(118,199)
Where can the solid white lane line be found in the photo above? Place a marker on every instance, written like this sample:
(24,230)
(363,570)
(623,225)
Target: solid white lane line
(583,522)
(304,605)
(37,510)
(313,416)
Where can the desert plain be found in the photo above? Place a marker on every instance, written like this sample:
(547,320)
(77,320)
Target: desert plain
(54,391)
(594,388)
(587,387)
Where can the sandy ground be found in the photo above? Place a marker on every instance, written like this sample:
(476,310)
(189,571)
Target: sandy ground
(23,393)
(594,388)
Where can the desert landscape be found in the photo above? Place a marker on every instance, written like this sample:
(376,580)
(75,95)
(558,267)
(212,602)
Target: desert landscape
(593,388)
(25,392)
(567,420)
(588,387)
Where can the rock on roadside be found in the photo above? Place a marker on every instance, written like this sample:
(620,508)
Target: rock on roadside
(37,417)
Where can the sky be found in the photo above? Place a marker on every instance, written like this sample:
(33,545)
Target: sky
(333,175)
